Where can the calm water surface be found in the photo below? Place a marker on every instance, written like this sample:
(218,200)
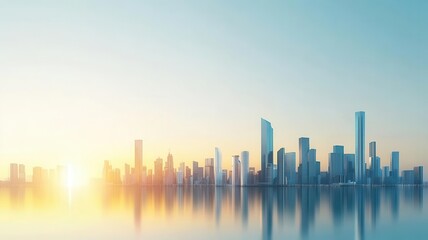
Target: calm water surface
(214,213)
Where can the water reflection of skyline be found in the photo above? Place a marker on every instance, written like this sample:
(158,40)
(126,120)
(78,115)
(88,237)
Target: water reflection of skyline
(268,211)
(298,203)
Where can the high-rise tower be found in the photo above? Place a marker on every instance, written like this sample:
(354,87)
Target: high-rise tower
(266,149)
(360,136)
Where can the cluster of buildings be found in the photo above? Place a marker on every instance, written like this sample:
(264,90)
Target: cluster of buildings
(343,168)
(164,173)
(40,176)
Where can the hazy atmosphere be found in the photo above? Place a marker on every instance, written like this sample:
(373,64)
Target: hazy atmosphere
(81,80)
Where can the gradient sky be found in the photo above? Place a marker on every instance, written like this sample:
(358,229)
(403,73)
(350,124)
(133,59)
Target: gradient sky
(80,80)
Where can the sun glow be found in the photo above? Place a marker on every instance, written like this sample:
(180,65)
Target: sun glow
(74,177)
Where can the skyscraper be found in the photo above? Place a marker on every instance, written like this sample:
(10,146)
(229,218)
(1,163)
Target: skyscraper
(349,167)
(236,171)
(138,161)
(336,168)
(195,168)
(419,175)
(218,171)
(395,167)
(303,160)
(158,178)
(169,170)
(385,175)
(280,158)
(360,135)
(375,164)
(245,167)
(290,168)
(266,149)
(181,173)
(209,170)
(312,166)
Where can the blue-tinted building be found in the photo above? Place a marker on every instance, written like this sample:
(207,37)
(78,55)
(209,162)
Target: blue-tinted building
(312,166)
(376,172)
(303,160)
(395,167)
(408,177)
(266,151)
(336,166)
(419,175)
(290,168)
(360,135)
(280,158)
(349,167)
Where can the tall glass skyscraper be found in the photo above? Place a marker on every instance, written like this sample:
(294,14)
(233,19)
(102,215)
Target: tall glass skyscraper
(303,160)
(312,166)
(336,168)
(280,158)
(217,167)
(395,167)
(360,151)
(266,150)
(290,168)
(375,164)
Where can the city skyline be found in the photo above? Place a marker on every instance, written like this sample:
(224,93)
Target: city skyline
(213,119)
(79,83)
(342,167)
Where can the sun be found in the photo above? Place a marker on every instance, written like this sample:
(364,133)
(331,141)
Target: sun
(74,177)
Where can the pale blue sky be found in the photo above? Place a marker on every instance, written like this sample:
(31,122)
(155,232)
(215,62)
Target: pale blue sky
(81,80)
